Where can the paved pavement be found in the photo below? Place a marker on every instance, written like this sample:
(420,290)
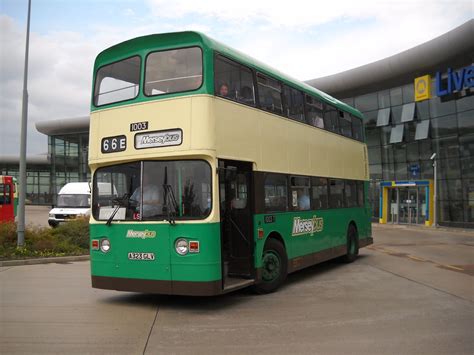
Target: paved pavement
(37,216)
(410,293)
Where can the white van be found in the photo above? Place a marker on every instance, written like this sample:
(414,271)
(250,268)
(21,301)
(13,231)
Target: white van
(74,200)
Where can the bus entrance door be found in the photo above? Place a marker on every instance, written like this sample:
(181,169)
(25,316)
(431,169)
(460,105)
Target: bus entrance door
(235,198)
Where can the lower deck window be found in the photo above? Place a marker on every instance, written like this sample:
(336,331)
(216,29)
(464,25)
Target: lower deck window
(336,193)
(350,192)
(276,193)
(300,200)
(319,195)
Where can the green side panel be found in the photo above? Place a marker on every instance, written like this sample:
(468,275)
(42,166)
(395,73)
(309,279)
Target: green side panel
(159,239)
(330,229)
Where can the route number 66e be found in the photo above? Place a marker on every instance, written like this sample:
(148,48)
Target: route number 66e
(113,144)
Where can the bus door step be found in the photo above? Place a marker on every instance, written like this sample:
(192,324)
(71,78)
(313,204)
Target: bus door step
(233,283)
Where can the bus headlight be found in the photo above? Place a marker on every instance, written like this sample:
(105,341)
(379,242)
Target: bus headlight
(104,245)
(181,246)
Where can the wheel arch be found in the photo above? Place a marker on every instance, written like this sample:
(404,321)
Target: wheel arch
(277,236)
(354,224)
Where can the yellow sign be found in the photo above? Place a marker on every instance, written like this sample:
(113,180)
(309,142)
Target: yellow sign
(423,88)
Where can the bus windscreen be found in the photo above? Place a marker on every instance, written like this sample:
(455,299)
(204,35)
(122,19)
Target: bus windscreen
(117,82)
(173,71)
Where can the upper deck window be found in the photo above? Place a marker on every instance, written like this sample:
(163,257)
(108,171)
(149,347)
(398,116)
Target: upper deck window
(294,103)
(269,92)
(118,81)
(233,81)
(173,71)
(345,124)
(357,128)
(315,112)
(331,119)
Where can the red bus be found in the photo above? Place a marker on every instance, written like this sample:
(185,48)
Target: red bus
(8,198)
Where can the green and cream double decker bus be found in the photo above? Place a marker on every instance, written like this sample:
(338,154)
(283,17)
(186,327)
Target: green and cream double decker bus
(213,172)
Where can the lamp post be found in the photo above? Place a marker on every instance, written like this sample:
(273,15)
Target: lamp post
(23,135)
(435,192)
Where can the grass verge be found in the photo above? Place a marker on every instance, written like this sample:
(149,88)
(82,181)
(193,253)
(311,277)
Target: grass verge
(71,238)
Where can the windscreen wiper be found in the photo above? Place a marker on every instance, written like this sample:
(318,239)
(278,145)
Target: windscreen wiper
(170,199)
(120,202)
(170,203)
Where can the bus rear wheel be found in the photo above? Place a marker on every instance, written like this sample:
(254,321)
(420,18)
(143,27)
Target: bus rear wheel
(274,267)
(352,245)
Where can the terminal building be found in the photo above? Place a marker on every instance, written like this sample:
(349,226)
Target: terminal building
(66,160)
(416,103)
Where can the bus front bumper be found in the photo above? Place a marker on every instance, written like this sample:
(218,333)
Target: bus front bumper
(165,287)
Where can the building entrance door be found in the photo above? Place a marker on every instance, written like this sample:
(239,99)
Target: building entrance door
(408,205)
(394,206)
(406,202)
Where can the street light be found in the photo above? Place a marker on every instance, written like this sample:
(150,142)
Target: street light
(23,136)
(435,192)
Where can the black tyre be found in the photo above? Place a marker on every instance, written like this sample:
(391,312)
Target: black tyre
(274,267)
(352,245)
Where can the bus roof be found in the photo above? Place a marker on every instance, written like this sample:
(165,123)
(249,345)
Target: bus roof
(152,42)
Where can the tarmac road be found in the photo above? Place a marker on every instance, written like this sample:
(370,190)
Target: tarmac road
(412,292)
(37,216)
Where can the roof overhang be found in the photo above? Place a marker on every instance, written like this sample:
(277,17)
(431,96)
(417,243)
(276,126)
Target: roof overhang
(64,126)
(455,48)
(41,159)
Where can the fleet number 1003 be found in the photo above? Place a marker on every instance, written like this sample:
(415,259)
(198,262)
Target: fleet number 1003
(113,144)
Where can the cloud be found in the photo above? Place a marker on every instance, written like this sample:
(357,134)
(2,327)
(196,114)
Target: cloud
(305,39)
(59,76)
(59,80)
(309,39)
(303,14)
(129,12)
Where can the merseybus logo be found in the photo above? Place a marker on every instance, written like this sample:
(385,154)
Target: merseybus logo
(307,226)
(158,139)
(141,234)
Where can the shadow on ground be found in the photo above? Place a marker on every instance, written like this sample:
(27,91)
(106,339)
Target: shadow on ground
(226,301)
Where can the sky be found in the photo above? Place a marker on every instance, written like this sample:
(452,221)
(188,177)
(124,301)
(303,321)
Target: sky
(303,38)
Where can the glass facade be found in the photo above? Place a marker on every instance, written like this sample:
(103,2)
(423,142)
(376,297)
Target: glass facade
(38,178)
(403,134)
(69,156)
(66,162)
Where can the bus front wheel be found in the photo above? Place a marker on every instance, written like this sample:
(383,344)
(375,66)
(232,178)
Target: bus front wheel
(352,245)
(274,267)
